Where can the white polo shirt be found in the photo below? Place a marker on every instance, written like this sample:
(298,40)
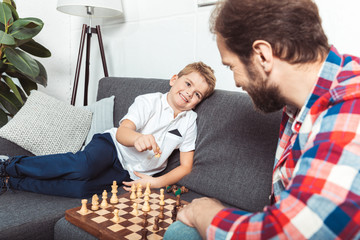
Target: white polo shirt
(152,114)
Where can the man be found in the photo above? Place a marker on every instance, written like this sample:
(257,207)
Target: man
(280,55)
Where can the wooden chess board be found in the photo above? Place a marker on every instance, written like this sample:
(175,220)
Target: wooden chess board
(99,224)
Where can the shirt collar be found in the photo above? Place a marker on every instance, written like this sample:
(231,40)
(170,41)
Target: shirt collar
(167,107)
(327,77)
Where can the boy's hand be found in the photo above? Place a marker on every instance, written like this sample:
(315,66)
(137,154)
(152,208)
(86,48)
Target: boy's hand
(147,142)
(144,179)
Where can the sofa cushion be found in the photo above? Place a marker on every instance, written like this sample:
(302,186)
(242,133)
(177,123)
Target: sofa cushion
(102,117)
(26,215)
(45,125)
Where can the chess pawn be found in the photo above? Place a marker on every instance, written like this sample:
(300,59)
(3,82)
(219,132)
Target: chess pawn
(161,213)
(161,192)
(135,209)
(146,197)
(83,209)
(104,202)
(114,199)
(133,192)
(156,224)
(95,202)
(116,218)
(162,202)
(147,190)
(146,207)
(139,191)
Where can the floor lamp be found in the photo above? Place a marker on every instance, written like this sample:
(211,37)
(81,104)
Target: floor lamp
(90,9)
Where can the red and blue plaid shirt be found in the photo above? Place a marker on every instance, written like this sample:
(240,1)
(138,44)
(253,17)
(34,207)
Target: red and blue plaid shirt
(316,178)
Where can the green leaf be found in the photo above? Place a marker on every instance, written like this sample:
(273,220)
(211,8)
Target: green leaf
(11,4)
(13,87)
(26,28)
(6,39)
(8,99)
(35,49)
(3,118)
(42,77)
(5,14)
(27,84)
(22,62)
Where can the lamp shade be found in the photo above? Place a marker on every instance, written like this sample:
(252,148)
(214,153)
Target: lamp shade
(101,8)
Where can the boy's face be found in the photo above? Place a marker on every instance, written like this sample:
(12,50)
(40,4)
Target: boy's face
(186,91)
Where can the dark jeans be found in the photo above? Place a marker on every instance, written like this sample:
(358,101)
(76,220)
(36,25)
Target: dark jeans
(78,174)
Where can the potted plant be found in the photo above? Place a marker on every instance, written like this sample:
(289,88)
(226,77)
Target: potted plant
(20,72)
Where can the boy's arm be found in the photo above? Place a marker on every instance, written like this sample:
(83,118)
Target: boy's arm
(126,135)
(186,163)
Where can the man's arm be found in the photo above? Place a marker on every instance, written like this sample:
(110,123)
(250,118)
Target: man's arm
(200,213)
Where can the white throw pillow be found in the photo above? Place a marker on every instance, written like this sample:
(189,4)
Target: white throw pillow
(45,125)
(103,116)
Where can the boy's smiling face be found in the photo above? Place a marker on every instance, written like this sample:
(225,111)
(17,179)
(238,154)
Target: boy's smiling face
(186,91)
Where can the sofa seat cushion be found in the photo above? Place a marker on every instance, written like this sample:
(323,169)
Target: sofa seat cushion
(26,215)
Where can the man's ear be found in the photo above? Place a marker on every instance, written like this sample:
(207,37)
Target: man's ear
(173,79)
(263,54)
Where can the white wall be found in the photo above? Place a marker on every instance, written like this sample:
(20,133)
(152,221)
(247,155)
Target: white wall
(157,39)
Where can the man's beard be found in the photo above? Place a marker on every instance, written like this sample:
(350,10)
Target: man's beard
(265,98)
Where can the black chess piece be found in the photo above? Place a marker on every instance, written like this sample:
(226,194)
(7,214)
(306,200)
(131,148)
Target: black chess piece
(156,224)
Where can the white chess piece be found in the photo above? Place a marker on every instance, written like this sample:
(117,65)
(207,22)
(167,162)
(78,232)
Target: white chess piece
(147,190)
(114,199)
(104,202)
(162,202)
(116,218)
(83,209)
(139,191)
(95,202)
(146,207)
(133,192)
(135,209)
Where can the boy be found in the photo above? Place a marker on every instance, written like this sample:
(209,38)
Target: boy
(154,126)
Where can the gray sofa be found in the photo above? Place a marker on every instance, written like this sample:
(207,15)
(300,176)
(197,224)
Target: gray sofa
(233,161)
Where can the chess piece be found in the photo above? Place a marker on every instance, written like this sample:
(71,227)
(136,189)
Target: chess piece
(169,188)
(114,199)
(145,221)
(116,218)
(184,190)
(133,192)
(162,202)
(83,209)
(146,196)
(156,224)
(144,233)
(174,213)
(161,213)
(104,202)
(95,202)
(146,207)
(161,192)
(147,190)
(139,191)
(135,209)
(178,203)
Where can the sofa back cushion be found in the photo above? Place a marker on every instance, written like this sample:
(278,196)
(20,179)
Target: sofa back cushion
(235,146)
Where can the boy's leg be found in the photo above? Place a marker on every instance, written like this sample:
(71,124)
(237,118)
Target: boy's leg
(97,156)
(72,188)
(179,231)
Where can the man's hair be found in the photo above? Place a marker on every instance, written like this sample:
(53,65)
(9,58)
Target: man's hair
(292,27)
(205,71)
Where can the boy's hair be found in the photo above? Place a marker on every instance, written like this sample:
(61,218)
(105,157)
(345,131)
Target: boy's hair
(205,71)
(292,27)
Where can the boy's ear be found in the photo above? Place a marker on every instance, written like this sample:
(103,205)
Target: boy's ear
(173,79)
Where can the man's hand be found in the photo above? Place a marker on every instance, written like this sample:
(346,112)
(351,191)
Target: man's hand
(199,213)
(144,179)
(146,142)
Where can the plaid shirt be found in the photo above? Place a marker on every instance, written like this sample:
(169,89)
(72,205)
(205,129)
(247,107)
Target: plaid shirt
(316,177)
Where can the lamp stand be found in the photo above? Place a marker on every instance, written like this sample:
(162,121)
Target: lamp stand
(87,31)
